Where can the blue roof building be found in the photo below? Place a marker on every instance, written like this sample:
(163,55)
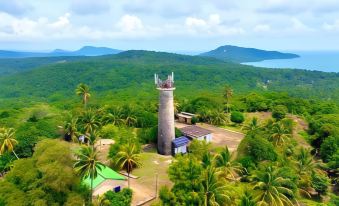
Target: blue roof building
(179,145)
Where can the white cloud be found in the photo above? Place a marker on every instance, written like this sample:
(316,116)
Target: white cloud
(299,26)
(262,28)
(331,26)
(212,26)
(130,23)
(195,22)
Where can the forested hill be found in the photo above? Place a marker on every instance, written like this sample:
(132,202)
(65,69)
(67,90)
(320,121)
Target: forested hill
(14,65)
(241,54)
(129,75)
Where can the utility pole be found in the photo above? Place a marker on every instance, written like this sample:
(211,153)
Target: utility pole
(156,185)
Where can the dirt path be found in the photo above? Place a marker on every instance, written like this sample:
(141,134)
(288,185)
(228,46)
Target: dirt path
(221,137)
(300,125)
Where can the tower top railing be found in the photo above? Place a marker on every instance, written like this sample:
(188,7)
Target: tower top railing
(166,84)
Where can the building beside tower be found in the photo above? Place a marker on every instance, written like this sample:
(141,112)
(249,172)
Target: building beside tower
(166,128)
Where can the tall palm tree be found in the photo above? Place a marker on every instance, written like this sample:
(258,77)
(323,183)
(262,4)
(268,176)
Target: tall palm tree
(279,133)
(71,128)
(214,191)
(228,93)
(89,121)
(252,126)
(128,158)
(271,189)
(227,168)
(93,138)
(87,165)
(83,91)
(7,141)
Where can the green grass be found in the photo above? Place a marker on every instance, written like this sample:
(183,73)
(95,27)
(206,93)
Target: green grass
(147,172)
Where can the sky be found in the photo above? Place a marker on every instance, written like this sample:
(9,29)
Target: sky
(169,25)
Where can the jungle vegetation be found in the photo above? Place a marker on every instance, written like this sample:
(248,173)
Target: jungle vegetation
(113,97)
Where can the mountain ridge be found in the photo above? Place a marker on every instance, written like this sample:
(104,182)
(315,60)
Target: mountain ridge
(243,54)
(84,51)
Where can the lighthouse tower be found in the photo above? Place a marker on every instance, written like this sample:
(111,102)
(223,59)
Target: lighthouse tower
(166,131)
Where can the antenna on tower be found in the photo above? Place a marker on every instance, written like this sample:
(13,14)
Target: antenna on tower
(172,77)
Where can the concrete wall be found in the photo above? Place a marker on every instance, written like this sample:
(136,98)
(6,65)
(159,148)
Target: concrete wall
(107,185)
(166,132)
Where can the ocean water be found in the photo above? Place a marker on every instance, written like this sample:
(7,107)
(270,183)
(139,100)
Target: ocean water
(327,61)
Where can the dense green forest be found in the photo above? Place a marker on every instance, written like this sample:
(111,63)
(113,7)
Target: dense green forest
(43,102)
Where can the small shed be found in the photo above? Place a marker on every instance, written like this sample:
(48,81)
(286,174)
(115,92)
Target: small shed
(185,117)
(179,145)
(195,132)
(107,179)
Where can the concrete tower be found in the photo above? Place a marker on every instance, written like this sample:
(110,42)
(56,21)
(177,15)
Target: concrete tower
(166,131)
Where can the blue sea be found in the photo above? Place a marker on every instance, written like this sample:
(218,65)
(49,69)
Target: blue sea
(327,61)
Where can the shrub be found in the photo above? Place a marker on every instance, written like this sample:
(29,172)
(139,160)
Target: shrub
(122,198)
(329,147)
(237,117)
(320,183)
(166,196)
(260,149)
(279,112)
(148,135)
(247,162)
(194,120)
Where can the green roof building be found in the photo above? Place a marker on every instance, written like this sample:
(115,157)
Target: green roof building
(108,178)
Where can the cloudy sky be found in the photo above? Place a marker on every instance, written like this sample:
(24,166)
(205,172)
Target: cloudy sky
(169,25)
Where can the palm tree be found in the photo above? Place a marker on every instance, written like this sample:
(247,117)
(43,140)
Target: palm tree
(227,168)
(252,126)
(214,191)
(128,158)
(304,162)
(83,90)
(228,93)
(207,159)
(89,121)
(114,117)
(218,118)
(306,166)
(87,165)
(130,120)
(71,128)
(271,189)
(93,138)
(247,199)
(7,141)
(279,133)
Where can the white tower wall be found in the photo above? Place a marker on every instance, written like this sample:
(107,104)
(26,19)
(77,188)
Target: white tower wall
(166,131)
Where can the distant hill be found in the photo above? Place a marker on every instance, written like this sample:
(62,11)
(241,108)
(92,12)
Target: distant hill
(241,54)
(84,51)
(128,76)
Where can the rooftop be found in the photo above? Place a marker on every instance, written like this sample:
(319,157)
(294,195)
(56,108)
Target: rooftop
(180,141)
(184,115)
(103,174)
(195,131)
